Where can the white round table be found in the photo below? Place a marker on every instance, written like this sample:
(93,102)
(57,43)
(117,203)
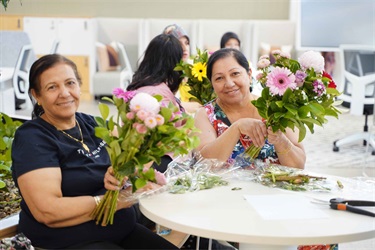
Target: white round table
(224,214)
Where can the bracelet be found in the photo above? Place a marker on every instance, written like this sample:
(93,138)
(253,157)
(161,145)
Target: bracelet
(286,151)
(97,200)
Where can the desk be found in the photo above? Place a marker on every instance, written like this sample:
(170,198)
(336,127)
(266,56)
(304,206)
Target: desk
(224,214)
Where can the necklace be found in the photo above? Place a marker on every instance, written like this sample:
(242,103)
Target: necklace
(80,141)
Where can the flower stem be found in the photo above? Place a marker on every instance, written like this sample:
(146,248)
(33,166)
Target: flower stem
(106,209)
(253,151)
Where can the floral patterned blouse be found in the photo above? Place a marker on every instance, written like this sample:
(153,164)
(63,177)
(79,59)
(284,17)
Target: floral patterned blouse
(220,122)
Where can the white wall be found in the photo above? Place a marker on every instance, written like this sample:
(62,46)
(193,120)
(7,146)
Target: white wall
(181,9)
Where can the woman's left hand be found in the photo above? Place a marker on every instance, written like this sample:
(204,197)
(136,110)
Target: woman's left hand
(275,138)
(110,181)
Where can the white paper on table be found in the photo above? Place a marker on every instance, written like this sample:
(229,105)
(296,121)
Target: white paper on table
(285,207)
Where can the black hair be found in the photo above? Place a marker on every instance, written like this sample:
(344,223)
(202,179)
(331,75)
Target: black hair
(223,53)
(39,66)
(157,66)
(227,36)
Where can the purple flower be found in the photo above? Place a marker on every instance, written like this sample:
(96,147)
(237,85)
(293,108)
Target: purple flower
(279,80)
(319,87)
(300,77)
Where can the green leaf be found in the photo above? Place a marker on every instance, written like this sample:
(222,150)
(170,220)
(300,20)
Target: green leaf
(266,93)
(139,183)
(159,98)
(166,113)
(292,109)
(311,120)
(302,132)
(101,132)
(287,94)
(104,110)
(304,111)
(316,108)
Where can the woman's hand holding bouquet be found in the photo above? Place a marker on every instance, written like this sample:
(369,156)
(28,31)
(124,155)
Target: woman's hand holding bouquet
(296,94)
(145,131)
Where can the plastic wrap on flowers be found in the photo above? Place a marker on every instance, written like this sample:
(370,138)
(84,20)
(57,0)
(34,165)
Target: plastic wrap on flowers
(151,188)
(192,172)
(278,176)
(246,167)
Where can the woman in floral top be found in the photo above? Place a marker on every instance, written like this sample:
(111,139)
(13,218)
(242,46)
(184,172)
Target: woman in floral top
(231,123)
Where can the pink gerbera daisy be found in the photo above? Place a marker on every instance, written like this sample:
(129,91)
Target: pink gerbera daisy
(279,80)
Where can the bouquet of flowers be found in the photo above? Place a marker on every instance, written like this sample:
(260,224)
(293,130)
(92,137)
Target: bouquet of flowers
(200,86)
(143,131)
(296,94)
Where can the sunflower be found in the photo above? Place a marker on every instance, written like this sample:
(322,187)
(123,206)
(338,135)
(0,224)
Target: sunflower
(199,71)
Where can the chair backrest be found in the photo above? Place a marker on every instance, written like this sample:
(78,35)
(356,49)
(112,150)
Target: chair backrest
(123,56)
(21,74)
(126,68)
(357,81)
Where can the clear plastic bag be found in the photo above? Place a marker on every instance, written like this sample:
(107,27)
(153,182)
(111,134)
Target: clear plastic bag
(193,172)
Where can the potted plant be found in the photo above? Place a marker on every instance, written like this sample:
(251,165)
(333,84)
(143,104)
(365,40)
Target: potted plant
(9,196)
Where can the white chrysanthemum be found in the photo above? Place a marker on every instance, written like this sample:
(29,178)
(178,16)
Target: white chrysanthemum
(146,102)
(312,59)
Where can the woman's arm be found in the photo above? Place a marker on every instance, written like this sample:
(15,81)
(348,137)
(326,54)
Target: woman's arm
(212,146)
(191,107)
(291,153)
(41,190)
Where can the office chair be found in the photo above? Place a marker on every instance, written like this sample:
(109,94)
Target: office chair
(358,88)
(21,77)
(105,82)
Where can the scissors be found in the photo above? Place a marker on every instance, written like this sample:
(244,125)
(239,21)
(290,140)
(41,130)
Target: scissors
(350,205)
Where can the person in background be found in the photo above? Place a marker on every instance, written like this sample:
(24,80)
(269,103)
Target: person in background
(156,75)
(59,166)
(183,90)
(230,122)
(230,40)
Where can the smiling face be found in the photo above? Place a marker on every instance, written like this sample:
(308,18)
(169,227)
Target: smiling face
(230,80)
(59,94)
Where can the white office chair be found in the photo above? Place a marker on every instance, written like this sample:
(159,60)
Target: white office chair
(358,88)
(105,82)
(126,71)
(21,76)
